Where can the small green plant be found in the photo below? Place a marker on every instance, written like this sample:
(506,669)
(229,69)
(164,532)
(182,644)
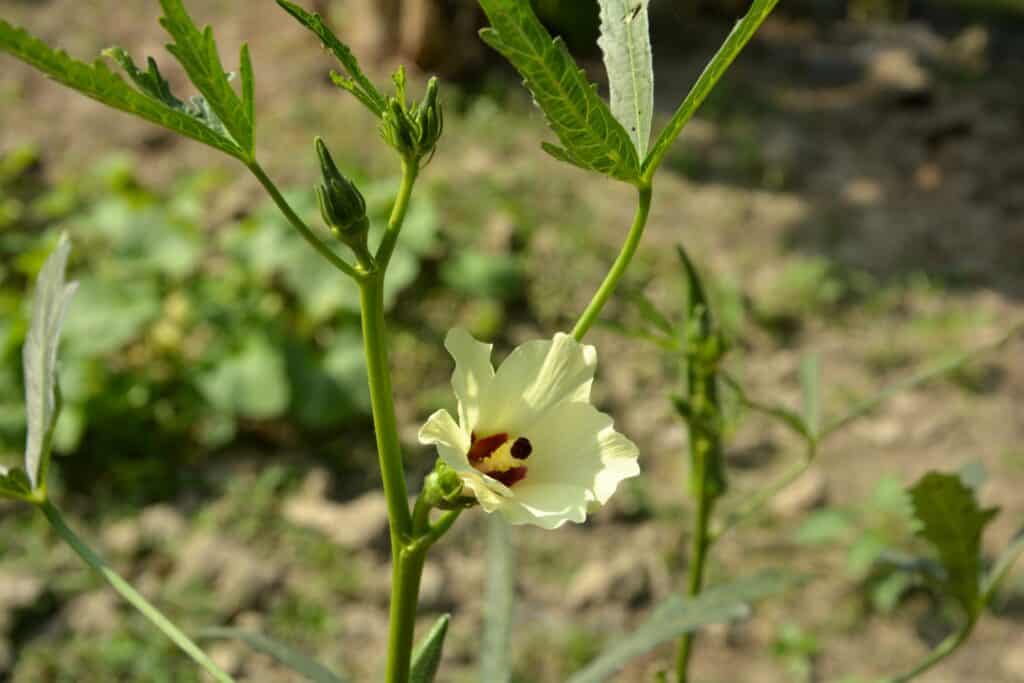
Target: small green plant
(523,441)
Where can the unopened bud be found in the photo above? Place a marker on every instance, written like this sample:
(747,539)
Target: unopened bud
(341,203)
(430,119)
(443,488)
(414,131)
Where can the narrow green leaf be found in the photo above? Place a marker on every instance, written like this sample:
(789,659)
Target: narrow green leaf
(669,345)
(626,43)
(427,657)
(591,137)
(920,378)
(1002,568)
(953,522)
(790,418)
(720,63)
(679,615)
(248,85)
(355,81)
(495,663)
(14,484)
(98,82)
(283,654)
(197,52)
(650,312)
(810,385)
(39,358)
(698,307)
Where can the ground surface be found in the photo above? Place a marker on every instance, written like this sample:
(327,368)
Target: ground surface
(858,184)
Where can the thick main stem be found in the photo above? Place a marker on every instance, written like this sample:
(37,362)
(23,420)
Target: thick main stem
(405,570)
(385,423)
(611,281)
(132,596)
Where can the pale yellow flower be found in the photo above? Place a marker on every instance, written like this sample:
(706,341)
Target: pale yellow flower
(528,443)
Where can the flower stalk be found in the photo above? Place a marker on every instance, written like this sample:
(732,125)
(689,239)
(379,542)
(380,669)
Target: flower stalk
(621,265)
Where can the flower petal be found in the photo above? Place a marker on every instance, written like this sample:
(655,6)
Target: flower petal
(545,505)
(576,444)
(452,442)
(533,379)
(473,373)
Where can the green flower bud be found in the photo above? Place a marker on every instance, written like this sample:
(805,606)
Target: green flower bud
(398,130)
(341,204)
(429,119)
(443,488)
(413,132)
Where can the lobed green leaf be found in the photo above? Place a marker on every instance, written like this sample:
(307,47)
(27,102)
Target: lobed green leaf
(355,81)
(716,68)
(953,522)
(626,43)
(591,136)
(197,52)
(98,82)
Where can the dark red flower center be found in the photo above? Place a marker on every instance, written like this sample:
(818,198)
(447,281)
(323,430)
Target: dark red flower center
(498,456)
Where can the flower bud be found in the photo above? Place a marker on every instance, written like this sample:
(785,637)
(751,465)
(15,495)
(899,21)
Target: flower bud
(429,119)
(341,203)
(414,131)
(443,488)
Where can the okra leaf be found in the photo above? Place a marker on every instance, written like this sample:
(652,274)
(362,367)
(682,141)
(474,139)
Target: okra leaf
(284,654)
(355,81)
(716,68)
(427,657)
(39,359)
(953,523)
(626,43)
(153,84)
(197,52)
(98,82)
(591,137)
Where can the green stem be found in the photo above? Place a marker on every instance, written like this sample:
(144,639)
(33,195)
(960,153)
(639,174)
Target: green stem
(299,224)
(385,424)
(700,543)
(410,170)
(405,593)
(131,595)
(944,649)
(611,281)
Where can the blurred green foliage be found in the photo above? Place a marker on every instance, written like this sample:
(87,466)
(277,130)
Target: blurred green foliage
(187,329)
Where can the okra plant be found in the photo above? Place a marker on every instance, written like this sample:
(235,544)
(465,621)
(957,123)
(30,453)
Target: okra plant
(526,445)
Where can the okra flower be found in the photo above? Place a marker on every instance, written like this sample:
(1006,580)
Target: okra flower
(528,443)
